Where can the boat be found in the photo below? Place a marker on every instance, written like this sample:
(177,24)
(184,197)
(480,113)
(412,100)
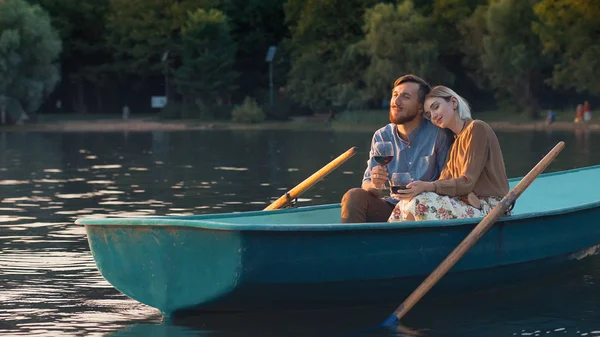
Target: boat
(303,257)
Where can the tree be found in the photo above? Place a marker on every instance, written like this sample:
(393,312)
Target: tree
(320,32)
(473,30)
(398,40)
(448,17)
(569,30)
(206,76)
(512,58)
(85,56)
(255,26)
(29,51)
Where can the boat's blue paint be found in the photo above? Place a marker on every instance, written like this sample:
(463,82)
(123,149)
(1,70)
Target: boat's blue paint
(303,257)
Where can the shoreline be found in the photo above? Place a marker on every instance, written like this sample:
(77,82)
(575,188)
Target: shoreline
(153,124)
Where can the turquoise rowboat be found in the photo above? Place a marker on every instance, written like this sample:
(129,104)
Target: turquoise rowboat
(304,258)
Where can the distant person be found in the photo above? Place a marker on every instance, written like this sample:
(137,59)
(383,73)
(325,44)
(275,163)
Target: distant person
(550,118)
(578,114)
(587,112)
(473,180)
(420,148)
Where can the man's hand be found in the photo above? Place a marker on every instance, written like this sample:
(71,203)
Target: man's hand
(415,188)
(379,175)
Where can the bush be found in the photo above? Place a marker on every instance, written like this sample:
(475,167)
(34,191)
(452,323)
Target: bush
(171,111)
(249,112)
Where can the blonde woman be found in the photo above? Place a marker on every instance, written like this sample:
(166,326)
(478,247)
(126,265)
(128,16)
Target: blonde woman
(473,179)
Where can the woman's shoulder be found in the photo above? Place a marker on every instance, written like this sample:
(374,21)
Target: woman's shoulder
(480,126)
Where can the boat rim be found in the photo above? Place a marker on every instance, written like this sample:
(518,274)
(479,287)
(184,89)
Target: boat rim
(189,221)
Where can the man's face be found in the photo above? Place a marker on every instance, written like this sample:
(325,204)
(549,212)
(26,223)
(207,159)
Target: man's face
(404,105)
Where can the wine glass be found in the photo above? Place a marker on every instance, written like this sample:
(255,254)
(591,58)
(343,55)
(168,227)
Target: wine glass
(399,181)
(383,153)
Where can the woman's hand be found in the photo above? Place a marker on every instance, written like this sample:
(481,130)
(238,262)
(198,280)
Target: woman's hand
(414,188)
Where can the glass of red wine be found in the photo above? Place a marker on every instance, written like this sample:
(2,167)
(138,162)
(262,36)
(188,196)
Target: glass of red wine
(383,153)
(399,181)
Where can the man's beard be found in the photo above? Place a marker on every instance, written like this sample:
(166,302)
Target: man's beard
(402,119)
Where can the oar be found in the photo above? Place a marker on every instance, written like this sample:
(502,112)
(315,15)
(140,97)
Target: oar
(310,181)
(470,240)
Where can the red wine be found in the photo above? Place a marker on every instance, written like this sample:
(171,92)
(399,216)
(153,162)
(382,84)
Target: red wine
(397,188)
(383,160)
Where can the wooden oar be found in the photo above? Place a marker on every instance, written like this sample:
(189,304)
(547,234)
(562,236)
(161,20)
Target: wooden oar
(470,240)
(310,181)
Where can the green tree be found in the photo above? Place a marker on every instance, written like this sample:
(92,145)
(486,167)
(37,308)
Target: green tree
(569,31)
(85,57)
(321,30)
(448,17)
(398,40)
(206,76)
(255,26)
(512,59)
(472,33)
(140,32)
(29,51)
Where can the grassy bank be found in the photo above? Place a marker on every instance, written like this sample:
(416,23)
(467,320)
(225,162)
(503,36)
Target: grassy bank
(379,117)
(368,121)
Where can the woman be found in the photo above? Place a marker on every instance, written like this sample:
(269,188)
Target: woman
(473,180)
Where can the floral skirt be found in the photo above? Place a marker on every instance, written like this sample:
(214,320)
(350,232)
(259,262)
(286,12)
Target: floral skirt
(432,206)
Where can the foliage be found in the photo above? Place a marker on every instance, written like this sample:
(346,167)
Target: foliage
(512,58)
(255,26)
(321,31)
(29,51)
(398,41)
(331,54)
(206,76)
(472,31)
(248,113)
(569,29)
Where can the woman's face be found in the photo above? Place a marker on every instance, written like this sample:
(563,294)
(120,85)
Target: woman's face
(440,111)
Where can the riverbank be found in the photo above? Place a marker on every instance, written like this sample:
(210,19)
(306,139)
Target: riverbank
(316,123)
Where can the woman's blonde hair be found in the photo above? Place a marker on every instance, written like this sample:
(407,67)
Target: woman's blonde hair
(463,108)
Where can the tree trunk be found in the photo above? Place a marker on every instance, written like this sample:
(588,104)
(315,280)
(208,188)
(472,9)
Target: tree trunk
(79,99)
(184,106)
(529,102)
(99,100)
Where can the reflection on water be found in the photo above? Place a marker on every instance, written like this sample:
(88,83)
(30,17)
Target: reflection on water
(49,284)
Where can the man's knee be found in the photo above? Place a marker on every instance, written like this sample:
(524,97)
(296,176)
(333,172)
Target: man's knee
(355,197)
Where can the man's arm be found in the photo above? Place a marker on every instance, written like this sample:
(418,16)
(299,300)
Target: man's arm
(368,186)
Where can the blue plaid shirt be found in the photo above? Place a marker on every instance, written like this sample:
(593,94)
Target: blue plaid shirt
(423,155)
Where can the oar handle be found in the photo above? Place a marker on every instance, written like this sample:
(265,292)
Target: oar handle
(313,179)
(472,238)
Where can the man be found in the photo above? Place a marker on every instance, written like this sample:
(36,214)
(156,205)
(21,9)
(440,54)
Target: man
(420,148)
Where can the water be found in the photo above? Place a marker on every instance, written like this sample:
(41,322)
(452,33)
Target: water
(49,284)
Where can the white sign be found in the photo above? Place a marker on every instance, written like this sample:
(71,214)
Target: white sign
(159,101)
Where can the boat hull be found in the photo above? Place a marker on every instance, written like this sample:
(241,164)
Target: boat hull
(176,268)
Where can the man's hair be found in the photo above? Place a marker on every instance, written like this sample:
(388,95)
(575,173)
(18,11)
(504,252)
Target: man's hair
(424,87)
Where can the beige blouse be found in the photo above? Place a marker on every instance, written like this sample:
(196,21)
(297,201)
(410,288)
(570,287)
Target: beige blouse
(474,164)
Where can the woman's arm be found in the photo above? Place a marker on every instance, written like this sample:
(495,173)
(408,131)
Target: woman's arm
(475,146)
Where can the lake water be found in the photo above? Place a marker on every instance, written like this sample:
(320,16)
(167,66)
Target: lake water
(49,284)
